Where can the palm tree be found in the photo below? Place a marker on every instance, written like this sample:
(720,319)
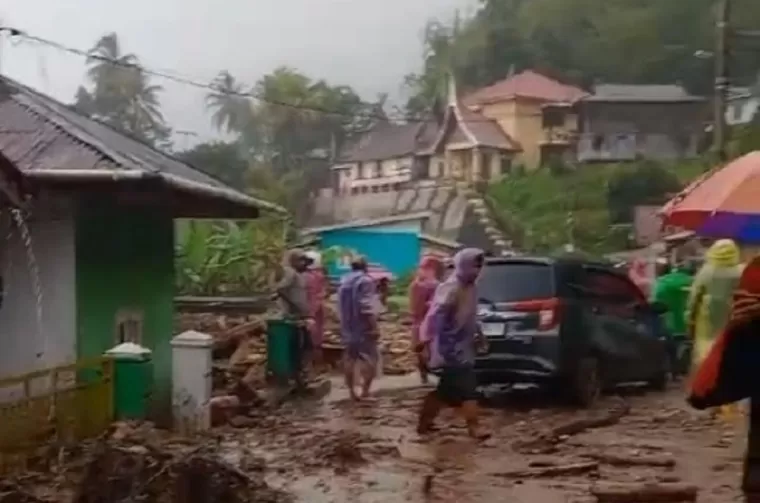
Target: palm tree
(122,93)
(231,111)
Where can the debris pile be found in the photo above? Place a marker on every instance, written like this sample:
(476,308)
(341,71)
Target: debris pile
(140,463)
(240,345)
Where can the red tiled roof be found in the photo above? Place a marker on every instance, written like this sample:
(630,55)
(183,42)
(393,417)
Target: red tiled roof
(527,84)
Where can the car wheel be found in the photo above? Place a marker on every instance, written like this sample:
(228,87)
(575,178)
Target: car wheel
(586,382)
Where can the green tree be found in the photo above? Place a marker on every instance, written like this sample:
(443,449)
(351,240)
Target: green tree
(222,160)
(621,41)
(121,93)
(647,183)
(230,111)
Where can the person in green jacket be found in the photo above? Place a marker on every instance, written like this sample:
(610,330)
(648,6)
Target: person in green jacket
(672,291)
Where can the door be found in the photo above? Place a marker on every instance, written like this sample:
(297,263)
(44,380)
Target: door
(623,324)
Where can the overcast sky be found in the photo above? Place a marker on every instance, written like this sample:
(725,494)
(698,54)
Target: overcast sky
(368,44)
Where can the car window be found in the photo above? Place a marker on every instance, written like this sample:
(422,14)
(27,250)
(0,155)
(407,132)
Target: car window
(516,281)
(612,287)
(612,294)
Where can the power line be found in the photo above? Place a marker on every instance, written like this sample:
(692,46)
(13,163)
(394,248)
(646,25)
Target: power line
(180,79)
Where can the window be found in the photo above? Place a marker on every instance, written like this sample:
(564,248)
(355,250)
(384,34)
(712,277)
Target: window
(516,281)
(737,112)
(485,166)
(129,326)
(597,142)
(506,165)
(553,117)
(616,293)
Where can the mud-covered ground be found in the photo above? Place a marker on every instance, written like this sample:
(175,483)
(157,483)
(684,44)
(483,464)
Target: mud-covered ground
(336,451)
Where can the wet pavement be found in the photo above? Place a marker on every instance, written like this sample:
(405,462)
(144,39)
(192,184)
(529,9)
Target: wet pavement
(336,451)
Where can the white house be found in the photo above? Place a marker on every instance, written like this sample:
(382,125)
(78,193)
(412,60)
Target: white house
(742,106)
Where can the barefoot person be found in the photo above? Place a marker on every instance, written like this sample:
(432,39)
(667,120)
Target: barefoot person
(452,323)
(357,298)
(730,373)
(421,293)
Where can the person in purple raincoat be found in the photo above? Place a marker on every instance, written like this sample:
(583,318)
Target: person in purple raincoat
(452,323)
(357,308)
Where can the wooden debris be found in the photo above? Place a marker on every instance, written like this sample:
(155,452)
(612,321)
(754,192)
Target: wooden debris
(551,471)
(580,425)
(544,442)
(633,460)
(644,493)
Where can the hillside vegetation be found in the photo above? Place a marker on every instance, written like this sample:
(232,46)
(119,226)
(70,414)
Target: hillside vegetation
(590,206)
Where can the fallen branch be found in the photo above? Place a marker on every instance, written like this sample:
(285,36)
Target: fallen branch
(580,425)
(551,471)
(544,442)
(644,493)
(619,460)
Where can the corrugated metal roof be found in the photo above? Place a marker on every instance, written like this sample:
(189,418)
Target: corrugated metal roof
(386,141)
(644,93)
(38,133)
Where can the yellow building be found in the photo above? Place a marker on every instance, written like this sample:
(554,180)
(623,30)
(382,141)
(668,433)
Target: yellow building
(539,113)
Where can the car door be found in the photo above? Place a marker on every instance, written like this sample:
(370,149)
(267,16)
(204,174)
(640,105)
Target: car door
(623,328)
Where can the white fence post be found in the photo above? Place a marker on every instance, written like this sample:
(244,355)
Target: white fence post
(191,381)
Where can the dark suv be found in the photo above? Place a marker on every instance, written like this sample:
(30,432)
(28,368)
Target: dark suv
(575,325)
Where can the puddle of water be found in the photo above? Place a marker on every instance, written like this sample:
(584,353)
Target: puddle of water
(34,272)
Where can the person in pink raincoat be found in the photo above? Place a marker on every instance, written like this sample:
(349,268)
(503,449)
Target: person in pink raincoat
(316,293)
(421,293)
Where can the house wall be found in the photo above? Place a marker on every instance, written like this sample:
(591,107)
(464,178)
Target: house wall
(741,110)
(51,229)
(125,262)
(396,250)
(522,119)
(375,173)
(626,131)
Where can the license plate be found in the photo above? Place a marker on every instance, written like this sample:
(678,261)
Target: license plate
(492,329)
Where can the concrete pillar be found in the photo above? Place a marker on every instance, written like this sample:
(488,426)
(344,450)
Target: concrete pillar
(191,381)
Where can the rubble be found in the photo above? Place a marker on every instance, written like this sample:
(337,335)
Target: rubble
(136,462)
(239,349)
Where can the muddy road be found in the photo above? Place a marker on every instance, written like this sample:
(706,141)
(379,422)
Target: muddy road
(334,451)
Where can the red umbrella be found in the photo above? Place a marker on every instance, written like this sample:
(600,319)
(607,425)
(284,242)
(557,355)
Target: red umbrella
(732,189)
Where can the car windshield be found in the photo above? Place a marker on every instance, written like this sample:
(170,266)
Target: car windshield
(515,281)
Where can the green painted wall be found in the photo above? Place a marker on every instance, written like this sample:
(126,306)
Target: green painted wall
(125,260)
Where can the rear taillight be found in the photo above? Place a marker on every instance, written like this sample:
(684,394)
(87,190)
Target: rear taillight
(547,309)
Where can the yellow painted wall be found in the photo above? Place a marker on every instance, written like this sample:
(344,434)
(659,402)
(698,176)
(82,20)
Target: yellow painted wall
(522,120)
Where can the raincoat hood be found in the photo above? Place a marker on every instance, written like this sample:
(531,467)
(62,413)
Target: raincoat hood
(466,264)
(723,253)
(430,267)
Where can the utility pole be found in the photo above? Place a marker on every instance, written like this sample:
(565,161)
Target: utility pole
(720,131)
